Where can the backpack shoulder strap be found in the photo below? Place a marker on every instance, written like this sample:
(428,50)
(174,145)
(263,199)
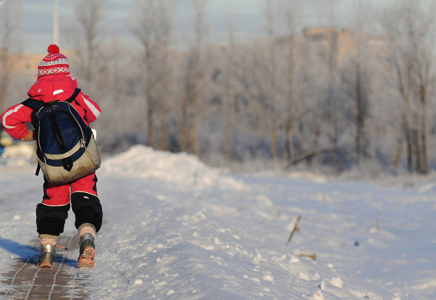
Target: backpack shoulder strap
(33,104)
(73,97)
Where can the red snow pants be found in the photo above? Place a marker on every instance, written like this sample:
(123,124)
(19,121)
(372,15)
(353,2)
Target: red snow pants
(57,200)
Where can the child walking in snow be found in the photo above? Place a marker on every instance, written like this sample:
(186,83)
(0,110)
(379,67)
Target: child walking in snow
(55,83)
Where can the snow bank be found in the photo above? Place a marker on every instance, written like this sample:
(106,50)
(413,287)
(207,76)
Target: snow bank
(162,239)
(182,170)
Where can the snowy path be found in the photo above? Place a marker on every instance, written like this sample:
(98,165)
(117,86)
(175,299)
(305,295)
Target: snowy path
(19,245)
(25,281)
(175,229)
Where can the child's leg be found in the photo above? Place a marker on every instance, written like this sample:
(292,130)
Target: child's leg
(48,239)
(86,205)
(89,215)
(50,220)
(53,211)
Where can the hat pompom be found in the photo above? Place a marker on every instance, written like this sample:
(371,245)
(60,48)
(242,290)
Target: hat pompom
(53,49)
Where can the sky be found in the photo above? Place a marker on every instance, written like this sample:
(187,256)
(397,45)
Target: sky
(247,15)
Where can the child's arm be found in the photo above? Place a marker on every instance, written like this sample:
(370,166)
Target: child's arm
(92,109)
(13,121)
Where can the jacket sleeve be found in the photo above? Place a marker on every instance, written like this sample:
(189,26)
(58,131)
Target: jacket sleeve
(13,120)
(92,110)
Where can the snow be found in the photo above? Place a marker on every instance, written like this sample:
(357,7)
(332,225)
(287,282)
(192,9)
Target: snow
(181,170)
(177,229)
(337,282)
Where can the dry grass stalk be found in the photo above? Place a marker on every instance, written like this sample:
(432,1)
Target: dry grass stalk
(309,255)
(296,228)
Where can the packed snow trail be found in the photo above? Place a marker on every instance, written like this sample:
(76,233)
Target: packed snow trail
(19,246)
(176,229)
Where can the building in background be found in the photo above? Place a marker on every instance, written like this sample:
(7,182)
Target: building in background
(342,42)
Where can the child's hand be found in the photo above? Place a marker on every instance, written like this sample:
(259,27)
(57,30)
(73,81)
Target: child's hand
(28,137)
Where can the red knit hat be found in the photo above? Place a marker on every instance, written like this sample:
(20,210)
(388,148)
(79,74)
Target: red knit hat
(54,63)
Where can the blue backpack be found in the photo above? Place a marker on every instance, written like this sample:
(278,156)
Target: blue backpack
(66,148)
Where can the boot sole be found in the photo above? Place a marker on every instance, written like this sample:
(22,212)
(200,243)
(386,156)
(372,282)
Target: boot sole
(86,260)
(44,265)
(45,260)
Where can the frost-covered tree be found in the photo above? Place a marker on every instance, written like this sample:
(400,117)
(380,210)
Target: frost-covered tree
(10,21)
(229,90)
(200,31)
(291,11)
(411,64)
(272,75)
(85,37)
(152,26)
(356,77)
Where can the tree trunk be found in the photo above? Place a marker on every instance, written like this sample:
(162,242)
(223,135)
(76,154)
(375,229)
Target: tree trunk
(149,99)
(416,150)
(273,77)
(424,159)
(164,130)
(229,115)
(397,155)
(229,94)
(423,126)
(290,149)
(423,129)
(199,31)
(409,150)
(194,106)
(10,19)
(360,118)
(185,107)
(4,80)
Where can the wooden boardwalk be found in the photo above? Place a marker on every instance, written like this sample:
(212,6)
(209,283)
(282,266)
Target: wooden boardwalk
(63,281)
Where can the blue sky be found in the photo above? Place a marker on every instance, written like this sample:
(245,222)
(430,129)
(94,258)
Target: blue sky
(247,14)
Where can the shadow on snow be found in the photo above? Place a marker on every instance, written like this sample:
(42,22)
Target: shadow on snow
(30,254)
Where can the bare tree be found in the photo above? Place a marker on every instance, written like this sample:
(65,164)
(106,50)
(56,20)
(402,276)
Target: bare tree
(10,20)
(98,61)
(166,19)
(361,89)
(187,88)
(86,37)
(356,77)
(411,61)
(331,102)
(269,19)
(229,89)
(257,87)
(152,27)
(291,10)
(199,7)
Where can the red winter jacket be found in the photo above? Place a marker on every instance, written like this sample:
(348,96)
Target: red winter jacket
(48,88)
